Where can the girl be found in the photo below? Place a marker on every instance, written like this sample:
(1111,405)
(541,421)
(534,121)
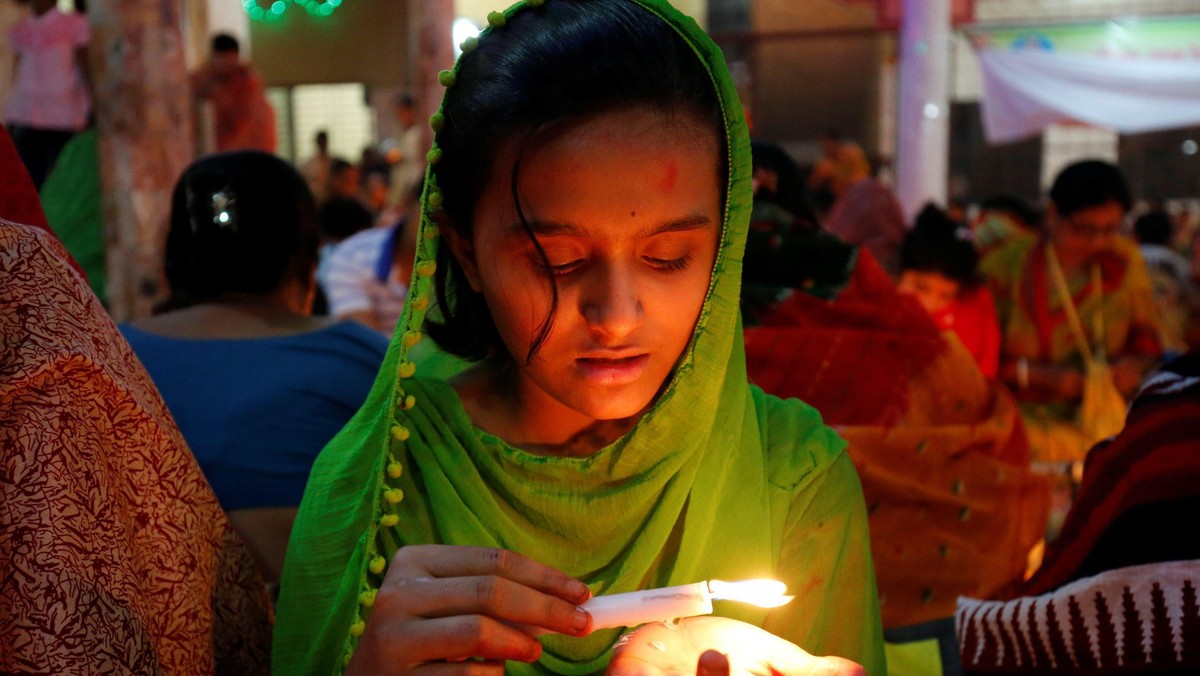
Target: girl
(590,185)
(939,266)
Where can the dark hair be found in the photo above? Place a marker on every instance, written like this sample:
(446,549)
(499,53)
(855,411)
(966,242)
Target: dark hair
(1153,227)
(377,171)
(241,222)
(339,165)
(548,65)
(1087,184)
(938,244)
(1015,206)
(322,136)
(789,187)
(224,42)
(342,217)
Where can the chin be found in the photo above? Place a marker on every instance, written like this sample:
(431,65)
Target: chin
(597,404)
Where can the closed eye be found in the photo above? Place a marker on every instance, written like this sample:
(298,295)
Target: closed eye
(561,269)
(668,264)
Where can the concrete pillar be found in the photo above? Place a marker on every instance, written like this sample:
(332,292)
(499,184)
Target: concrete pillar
(923,128)
(432,50)
(144,121)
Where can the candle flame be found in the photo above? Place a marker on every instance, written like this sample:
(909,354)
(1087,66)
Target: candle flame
(761,593)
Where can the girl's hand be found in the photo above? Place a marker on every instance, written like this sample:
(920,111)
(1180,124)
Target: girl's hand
(441,605)
(1066,382)
(715,646)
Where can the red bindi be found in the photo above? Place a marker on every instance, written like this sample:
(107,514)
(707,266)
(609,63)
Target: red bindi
(670,177)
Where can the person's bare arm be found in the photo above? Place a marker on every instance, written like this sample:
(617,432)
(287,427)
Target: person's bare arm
(203,80)
(1128,373)
(364,317)
(1041,380)
(85,72)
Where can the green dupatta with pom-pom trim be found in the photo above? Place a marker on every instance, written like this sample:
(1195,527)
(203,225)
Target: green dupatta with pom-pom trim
(716,481)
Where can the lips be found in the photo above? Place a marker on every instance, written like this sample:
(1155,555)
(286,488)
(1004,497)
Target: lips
(612,370)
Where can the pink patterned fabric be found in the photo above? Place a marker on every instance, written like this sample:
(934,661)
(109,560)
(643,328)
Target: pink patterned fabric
(49,91)
(114,554)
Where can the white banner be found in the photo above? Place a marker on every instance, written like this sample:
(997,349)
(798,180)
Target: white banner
(1033,79)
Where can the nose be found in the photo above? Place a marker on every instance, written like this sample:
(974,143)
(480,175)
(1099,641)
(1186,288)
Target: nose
(610,303)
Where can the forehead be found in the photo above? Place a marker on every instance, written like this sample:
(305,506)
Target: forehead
(596,138)
(930,278)
(630,165)
(1105,214)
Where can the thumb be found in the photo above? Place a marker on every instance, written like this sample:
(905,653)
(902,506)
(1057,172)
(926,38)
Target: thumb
(712,663)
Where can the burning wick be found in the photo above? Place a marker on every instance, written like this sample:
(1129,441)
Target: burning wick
(687,600)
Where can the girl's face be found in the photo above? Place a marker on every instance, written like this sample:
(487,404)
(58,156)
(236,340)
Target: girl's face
(627,208)
(933,289)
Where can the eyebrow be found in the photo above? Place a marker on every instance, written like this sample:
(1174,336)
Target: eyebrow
(693,221)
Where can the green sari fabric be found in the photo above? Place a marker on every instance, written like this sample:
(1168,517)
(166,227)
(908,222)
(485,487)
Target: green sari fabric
(716,481)
(71,199)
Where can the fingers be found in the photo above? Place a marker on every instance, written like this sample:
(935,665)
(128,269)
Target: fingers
(443,603)
(624,665)
(712,663)
(839,666)
(464,641)
(460,561)
(794,662)
(464,637)
(486,668)
(493,596)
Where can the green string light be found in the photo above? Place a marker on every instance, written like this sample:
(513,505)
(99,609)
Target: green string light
(273,10)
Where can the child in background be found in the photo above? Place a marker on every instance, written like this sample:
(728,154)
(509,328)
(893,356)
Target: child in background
(590,183)
(939,265)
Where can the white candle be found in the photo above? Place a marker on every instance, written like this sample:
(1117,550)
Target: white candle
(651,605)
(687,600)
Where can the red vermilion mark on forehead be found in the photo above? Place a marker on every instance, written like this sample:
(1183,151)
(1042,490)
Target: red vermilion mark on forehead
(669,177)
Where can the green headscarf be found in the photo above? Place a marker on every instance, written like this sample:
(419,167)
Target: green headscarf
(716,481)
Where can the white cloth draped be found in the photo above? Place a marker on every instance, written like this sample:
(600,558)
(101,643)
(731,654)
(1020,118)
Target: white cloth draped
(1026,90)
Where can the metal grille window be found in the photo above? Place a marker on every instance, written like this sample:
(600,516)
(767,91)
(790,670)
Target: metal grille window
(340,109)
(1063,144)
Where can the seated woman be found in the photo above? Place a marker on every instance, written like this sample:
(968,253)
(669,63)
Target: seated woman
(1081,289)
(940,448)
(590,183)
(116,557)
(938,265)
(256,384)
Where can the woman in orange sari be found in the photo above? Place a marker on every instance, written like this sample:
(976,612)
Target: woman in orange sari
(939,447)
